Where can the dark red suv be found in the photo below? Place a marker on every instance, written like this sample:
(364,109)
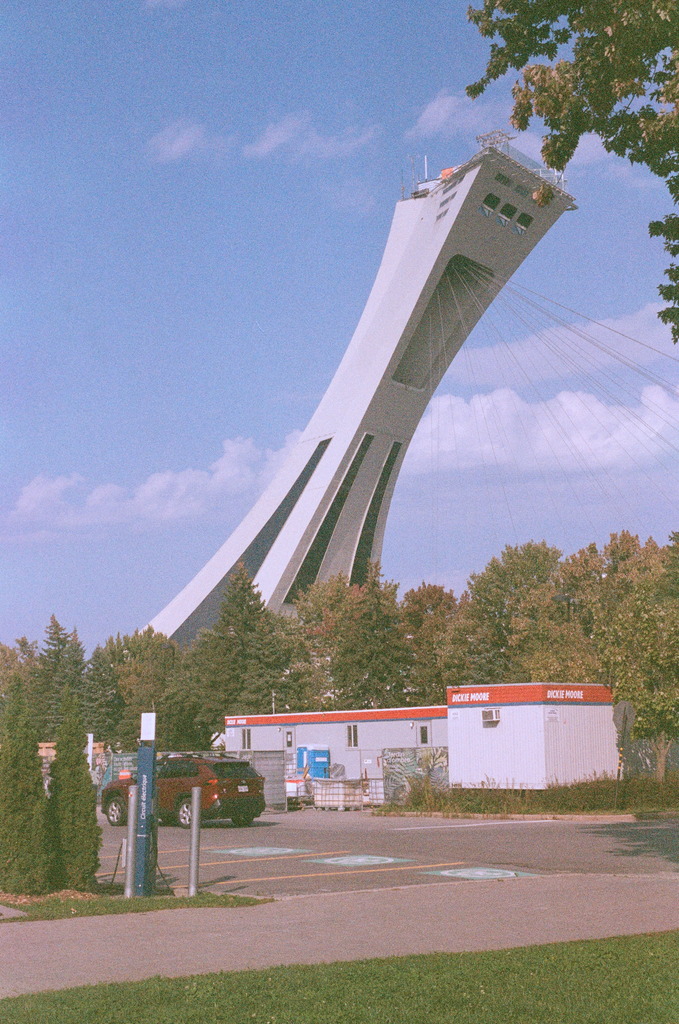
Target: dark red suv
(231,789)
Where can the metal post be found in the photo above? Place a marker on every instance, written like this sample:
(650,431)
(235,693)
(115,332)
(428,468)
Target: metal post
(194,845)
(131,841)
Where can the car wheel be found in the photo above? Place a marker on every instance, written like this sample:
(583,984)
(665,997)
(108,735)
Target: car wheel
(242,820)
(184,813)
(115,811)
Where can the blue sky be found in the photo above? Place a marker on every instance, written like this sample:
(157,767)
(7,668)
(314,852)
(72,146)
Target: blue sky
(196,196)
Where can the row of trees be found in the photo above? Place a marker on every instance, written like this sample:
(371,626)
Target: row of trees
(606,615)
(49,837)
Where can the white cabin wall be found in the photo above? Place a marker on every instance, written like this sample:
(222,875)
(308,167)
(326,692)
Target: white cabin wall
(580,743)
(509,755)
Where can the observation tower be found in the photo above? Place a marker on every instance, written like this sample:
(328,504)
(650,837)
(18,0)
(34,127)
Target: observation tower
(453,243)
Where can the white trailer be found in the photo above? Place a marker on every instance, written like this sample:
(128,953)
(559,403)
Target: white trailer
(529,735)
(354,740)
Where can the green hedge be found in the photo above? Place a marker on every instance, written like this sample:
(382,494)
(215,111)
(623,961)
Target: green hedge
(637,794)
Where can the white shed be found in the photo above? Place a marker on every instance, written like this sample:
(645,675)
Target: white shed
(529,735)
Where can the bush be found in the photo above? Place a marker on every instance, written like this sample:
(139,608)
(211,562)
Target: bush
(638,794)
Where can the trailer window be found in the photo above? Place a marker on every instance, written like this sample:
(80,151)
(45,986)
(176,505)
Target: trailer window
(352,735)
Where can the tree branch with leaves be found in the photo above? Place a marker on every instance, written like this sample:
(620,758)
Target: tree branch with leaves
(611,68)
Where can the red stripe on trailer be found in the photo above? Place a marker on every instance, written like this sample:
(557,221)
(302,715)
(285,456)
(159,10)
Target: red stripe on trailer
(528,693)
(319,717)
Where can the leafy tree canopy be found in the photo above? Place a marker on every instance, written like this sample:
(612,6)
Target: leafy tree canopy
(611,67)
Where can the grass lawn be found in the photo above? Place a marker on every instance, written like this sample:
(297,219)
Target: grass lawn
(78,904)
(632,980)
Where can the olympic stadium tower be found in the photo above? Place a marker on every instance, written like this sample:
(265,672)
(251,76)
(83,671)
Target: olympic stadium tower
(454,242)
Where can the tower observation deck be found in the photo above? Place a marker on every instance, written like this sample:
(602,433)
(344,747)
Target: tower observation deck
(453,243)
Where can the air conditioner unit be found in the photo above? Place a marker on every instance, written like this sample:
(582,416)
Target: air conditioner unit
(490,714)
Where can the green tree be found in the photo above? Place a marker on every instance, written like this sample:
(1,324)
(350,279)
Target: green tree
(24,851)
(73,804)
(321,610)
(241,661)
(611,67)
(371,659)
(144,664)
(16,666)
(100,697)
(427,614)
(636,633)
(60,663)
(505,617)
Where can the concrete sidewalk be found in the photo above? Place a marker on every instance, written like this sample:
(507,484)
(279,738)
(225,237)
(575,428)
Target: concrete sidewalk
(442,917)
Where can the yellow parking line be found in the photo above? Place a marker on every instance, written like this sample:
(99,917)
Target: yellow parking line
(244,860)
(203,849)
(329,874)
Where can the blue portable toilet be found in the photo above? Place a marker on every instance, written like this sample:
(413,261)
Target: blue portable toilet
(317,762)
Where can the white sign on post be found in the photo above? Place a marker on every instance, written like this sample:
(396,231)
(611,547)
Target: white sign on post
(148,726)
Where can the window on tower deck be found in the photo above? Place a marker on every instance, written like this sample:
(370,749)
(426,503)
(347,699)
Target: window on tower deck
(508,211)
(491,201)
(525,220)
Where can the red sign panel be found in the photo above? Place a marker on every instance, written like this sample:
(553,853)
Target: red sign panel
(528,693)
(365,715)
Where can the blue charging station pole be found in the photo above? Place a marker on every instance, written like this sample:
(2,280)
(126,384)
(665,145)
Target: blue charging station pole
(146,836)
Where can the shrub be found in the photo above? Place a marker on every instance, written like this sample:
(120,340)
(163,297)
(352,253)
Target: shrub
(638,794)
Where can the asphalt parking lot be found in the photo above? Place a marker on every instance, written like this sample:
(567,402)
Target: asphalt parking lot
(311,852)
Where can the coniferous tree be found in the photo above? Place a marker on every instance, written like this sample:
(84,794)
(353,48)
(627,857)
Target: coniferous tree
(73,804)
(100,697)
(60,663)
(24,851)
(242,661)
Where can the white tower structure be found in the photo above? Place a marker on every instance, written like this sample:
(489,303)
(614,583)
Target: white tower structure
(452,245)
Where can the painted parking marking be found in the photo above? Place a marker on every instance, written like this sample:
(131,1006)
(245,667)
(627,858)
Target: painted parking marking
(239,860)
(355,861)
(261,851)
(479,874)
(474,824)
(330,874)
(218,849)
(243,860)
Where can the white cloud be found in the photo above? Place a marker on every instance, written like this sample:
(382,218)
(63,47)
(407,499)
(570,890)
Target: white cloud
(180,140)
(559,350)
(296,135)
(42,492)
(65,502)
(451,114)
(573,432)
